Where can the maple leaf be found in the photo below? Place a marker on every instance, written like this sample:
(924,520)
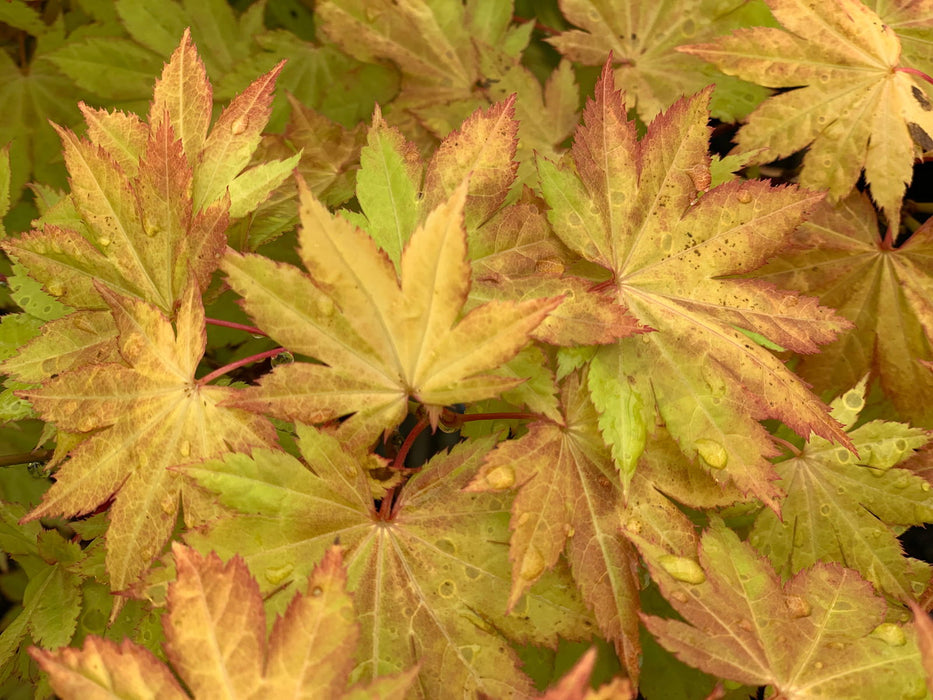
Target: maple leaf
(858,107)
(216,642)
(839,256)
(381,340)
(740,621)
(568,494)
(643,41)
(429,580)
(152,203)
(635,208)
(841,508)
(143,415)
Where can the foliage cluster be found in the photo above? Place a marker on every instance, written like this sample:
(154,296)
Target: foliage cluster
(687,393)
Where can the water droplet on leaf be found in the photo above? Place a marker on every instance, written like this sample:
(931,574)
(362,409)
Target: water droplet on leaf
(317,591)
(825,510)
(239,125)
(56,288)
(523,518)
(283,358)
(447,589)
(532,564)
(682,568)
(104,241)
(502,477)
(890,634)
(185,448)
(797,606)
(744,197)
(712,452)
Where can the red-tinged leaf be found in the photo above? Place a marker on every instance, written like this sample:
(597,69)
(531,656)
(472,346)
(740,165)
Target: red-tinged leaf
(740,621)
(104,669)
(215,627)
(147,414)
(429,578)
(233,139)
(885,292)
(568,497)
(575,685)
(123,135)
(381,340)
(185,97)
(482,149)
(215,631)
(635,208)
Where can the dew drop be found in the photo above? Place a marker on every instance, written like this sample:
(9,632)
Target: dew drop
(667,242)
(151,228)
(797,606)
(447,589)
(104,241)
(239,125)
(818,665)
(853,400)
(890,634)
(689,28)
(825,510)
(568,530)
(317,592)
(843,456)
(283,358)
(501,477)
(532,564)
(744,197)
(925,486)
(56,288)
(86,424)
(276,574)
(168,504)
(185,448)
(523,518)
(472,572)
(712,452)
(446,545)
(679,596)
(682,568)
(746,625)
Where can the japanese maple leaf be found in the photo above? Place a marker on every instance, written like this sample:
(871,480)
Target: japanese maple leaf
(140,417)
(508,246)
(886,292)
(382,340)
(430,578)
(820,634)
(568,496)
(215,639)
(643,39)
(636,209)
(453,59)
(842,508)
(857,107)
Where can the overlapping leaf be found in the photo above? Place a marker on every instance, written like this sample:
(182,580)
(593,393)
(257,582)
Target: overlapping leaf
(856,108)
(569,493)
(842,508)
(140,417)
(840,257)
(741,623)
(382,341)
(635,208)
(216,641)
(430,579)
(643,39)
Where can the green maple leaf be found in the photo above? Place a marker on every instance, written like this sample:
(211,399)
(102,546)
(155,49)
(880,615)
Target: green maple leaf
(216,641)
(429,579)
(382,340)
(139,417)
(643,41)
(740,621)
(568,496)
(842,508)
(857,108)
(635,208)
(885,292)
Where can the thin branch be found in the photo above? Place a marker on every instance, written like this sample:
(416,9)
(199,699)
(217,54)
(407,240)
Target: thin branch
(259,357)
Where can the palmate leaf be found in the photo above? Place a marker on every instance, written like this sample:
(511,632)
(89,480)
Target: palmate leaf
(741,622)
(382,340)
(857,108)
(569,492)
(635,208)
(841,508)
(140,417)
(430,579)
(149,205)
(643,40)
(840,257)
(216,642)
